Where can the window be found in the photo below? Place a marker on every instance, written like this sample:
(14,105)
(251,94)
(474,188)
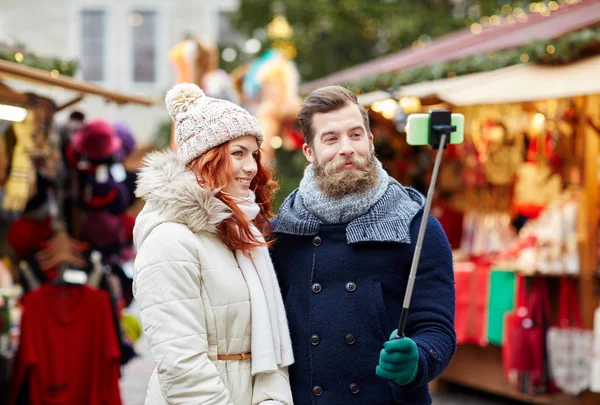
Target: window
(93,27)
(144,46)
(227,33)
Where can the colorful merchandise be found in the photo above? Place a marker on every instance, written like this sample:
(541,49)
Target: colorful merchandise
(27,235)
(524,353)
(69,352)
(124,133)
(569,345)
(472,295)
(96,140)
(595,375)
(501,301)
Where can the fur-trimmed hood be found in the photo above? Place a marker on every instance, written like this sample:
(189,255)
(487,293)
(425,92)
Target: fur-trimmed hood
(173,195)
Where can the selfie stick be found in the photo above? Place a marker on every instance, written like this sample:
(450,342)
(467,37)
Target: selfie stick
(440,129)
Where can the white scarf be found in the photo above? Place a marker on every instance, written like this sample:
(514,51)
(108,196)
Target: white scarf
(270,343)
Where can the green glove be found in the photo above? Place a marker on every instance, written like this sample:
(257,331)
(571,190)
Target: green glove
(399,360)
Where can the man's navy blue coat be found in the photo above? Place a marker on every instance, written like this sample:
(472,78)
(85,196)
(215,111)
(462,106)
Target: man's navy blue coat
(344,300)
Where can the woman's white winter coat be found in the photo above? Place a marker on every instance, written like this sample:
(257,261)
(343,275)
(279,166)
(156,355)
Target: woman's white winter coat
(194,301)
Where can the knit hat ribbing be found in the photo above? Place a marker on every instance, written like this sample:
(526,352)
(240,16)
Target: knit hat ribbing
(202,123)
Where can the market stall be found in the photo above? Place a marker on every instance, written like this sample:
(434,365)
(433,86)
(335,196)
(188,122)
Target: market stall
(448,53)
(526,185)
(65,194)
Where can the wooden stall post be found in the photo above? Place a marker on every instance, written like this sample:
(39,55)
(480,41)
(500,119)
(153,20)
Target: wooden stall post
(590,149)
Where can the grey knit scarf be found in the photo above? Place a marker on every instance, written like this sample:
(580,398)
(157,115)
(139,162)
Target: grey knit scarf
(340,210)
(388,220)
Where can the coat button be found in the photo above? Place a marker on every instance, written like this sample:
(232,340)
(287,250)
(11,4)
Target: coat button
(350,339)
(314,339)
(317,241)
(434,354)
(350,286)
(316,288)
(317,390)
(354,388)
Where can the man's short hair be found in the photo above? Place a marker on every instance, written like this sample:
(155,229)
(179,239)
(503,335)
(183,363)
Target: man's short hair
(325,100)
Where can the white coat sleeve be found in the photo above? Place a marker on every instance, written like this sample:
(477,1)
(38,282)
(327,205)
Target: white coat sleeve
(274,387)
(167,287)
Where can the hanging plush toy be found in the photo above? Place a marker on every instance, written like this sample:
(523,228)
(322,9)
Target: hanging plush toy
(181,57)
(213,81)
(196,60)
(271,83)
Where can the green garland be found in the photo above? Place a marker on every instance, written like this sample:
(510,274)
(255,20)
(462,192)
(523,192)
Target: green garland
(64,67)
(567,49)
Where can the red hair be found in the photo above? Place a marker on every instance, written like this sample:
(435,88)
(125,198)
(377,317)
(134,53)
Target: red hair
(235,231)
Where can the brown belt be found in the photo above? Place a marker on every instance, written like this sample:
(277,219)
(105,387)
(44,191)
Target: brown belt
(241,356)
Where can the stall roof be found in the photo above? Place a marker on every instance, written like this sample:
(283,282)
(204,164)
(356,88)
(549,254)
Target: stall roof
(520,83)
(41,77)
(464,43)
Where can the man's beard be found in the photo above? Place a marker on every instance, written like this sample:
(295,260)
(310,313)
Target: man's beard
(335,182)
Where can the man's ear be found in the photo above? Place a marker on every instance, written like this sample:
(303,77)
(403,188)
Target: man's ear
(308,153)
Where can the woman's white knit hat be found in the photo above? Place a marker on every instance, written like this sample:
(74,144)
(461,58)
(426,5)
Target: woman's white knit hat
(202,123)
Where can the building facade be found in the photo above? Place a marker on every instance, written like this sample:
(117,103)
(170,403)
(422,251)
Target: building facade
(121,45)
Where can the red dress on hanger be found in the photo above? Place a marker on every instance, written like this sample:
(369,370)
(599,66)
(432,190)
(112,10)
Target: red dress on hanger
(69,353)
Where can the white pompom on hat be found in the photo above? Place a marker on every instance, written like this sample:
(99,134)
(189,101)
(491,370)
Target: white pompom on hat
(202,123)
(180,97)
